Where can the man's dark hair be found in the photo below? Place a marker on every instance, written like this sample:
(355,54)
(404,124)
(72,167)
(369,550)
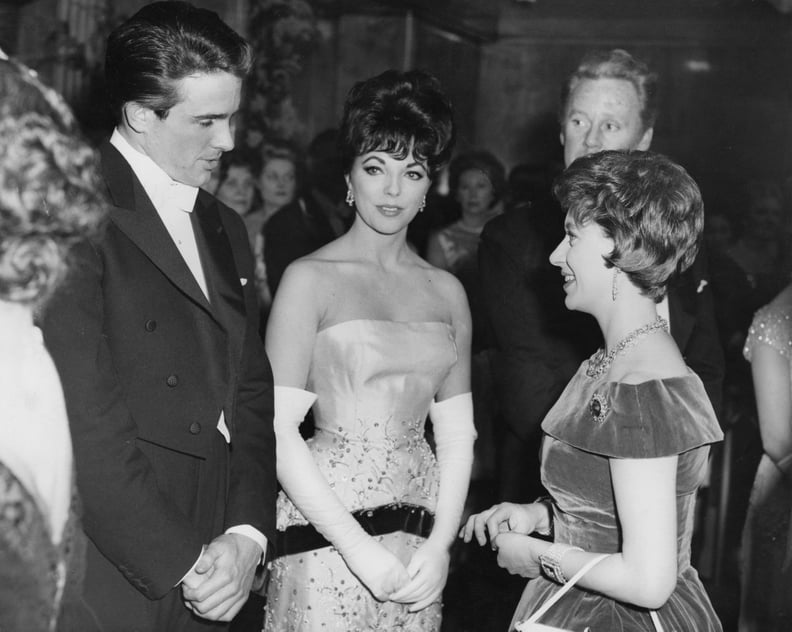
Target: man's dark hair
(163,43)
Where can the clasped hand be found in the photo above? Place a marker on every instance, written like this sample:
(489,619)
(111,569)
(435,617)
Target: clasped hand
(507,526)
(419,584)
(218,585)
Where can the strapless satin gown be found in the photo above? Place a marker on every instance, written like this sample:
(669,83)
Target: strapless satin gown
(375,381)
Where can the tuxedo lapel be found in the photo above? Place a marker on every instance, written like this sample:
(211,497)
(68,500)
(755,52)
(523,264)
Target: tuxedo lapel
(136,217)
(217,256)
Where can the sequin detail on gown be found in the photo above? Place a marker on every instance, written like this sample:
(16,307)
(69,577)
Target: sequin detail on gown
(375,381)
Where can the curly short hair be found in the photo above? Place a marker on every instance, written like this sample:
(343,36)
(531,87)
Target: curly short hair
(479,160)
(616,64)
(398,112)
(648,205)
(49,186)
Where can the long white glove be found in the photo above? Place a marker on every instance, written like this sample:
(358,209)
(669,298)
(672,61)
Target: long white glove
(452,420)
(379,570)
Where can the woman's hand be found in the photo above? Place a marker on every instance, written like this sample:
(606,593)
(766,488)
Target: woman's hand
(379,569)
(502,518)
(428,570)
(519,554)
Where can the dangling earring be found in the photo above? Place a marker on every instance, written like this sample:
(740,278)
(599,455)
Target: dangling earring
(422,205)
(615,285)
(350,198)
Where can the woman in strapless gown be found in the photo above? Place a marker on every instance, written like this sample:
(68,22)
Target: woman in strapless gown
(373,338)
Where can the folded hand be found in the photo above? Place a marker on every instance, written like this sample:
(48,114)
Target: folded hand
(379,569)
(428,570)
(219,584)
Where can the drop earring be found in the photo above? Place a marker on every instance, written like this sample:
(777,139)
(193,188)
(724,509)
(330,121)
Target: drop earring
(422,205)
(350,197)
(615,284)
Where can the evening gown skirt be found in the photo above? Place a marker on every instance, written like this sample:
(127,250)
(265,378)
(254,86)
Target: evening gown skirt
(375,381)
(593,421)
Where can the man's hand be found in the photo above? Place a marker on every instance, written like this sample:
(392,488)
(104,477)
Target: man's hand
(219,584)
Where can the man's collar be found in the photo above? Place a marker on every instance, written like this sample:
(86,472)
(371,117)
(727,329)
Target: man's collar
(163,190)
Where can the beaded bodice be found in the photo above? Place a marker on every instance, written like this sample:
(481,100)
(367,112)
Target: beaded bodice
(375,381)
(772,326)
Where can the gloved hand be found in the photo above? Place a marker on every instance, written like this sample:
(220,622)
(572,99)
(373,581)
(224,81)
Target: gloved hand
(379,570)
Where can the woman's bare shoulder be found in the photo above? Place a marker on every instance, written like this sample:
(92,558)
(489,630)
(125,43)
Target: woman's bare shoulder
(656,358)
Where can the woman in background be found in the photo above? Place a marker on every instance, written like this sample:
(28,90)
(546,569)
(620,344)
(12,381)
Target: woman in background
(369,334)
(625,447)
(766,604)
(257,185)
(48,203)
(478,181)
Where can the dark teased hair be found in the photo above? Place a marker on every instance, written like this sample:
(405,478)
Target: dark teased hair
(50,190)
(616,64)
(398,112)
(483,161)
(163,43)
(648,205)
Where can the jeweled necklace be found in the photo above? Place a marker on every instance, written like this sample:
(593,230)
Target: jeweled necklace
(601,361)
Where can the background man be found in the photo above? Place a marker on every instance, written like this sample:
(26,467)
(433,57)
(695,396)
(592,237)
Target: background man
(609,102)
(168,390)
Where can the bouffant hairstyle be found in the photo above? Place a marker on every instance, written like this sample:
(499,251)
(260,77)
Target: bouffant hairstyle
(616,64)
(648,205)
(483,161)
(163,43)
(49,186)
(398,112)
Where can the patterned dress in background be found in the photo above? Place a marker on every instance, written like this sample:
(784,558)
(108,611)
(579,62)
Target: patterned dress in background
(767,544)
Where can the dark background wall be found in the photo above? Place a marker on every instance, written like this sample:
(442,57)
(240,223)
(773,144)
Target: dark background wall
(725,67)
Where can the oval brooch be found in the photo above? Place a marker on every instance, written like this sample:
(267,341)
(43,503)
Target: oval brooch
(598,408)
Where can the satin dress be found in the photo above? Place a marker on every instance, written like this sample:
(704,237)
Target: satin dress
(375,381)
(593,421)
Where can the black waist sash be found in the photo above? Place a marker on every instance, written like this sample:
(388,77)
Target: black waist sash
(376,521)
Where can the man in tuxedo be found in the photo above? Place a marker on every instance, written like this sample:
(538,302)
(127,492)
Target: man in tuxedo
(609,102)
(155,336)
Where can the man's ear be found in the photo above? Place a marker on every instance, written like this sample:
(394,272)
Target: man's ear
(646,139)
(137,117)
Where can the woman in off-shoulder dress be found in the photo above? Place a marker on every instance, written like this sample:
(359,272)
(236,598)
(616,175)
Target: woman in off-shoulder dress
(373,338)
(766,600)
(625,447)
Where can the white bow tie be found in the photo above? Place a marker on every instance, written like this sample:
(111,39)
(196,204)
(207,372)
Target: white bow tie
(177,195)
